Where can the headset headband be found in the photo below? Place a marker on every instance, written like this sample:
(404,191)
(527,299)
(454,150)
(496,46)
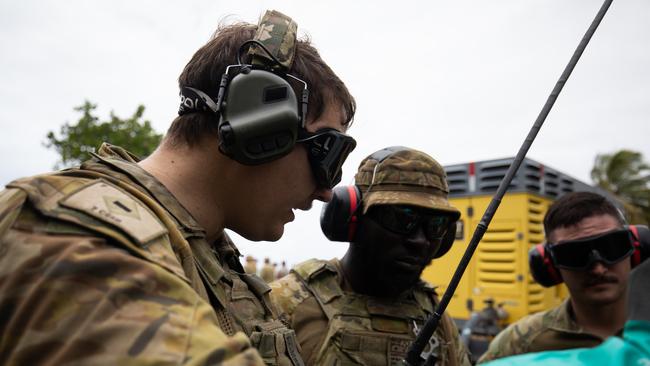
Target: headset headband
(277,32)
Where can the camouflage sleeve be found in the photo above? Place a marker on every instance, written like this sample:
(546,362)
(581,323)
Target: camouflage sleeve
(507,343)
(300,310)
(287,293)
(72,299)
(463,353)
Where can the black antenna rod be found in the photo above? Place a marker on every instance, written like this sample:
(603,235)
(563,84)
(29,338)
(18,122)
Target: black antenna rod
(413,357)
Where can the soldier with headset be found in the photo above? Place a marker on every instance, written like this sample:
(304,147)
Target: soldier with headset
(367,307)
(591,250)
(125,261)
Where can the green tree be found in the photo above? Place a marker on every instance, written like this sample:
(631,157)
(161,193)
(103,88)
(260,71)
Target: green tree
(626,175)
(75,141)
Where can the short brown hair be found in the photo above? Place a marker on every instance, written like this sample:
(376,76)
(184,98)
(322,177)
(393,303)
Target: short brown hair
(574,207)
(208,64)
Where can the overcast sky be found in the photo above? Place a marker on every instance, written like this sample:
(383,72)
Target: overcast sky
(461,80)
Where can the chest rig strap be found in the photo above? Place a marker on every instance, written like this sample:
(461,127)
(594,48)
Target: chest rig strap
(392,319)
(321,277)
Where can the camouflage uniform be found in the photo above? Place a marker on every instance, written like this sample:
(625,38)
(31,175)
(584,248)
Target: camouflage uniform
(101,265)
(336,326)
(553,329)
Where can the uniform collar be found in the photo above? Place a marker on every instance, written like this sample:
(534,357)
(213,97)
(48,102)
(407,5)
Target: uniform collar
(122,161)
(562,318)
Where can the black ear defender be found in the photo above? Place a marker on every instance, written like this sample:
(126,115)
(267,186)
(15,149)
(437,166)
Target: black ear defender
(259,115)
(546,274)
(259,112)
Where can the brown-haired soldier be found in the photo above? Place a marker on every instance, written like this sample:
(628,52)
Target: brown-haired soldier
(591,251)
(122,261)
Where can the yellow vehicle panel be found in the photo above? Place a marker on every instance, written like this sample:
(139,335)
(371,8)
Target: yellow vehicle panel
(499,267)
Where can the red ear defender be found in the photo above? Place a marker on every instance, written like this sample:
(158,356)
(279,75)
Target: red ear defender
(641,242)
(338,218)
(542,268)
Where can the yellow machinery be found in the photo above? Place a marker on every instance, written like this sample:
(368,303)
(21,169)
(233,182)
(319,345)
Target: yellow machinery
(499,267)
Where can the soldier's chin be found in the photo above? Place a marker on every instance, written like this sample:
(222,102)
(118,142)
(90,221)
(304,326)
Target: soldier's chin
(406,273)
(270,233)
(603,295)
(407,268)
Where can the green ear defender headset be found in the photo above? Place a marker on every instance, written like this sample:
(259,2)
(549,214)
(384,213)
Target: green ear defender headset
(259,117)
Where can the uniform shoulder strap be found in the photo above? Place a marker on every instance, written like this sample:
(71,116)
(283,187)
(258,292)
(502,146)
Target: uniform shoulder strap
(321,278)
(309,268)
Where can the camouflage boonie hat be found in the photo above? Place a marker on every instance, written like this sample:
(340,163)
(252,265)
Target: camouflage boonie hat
(277,32)
(405,177)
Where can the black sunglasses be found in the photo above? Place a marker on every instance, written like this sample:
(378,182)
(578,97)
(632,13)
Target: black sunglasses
(327,149)
(405,220)
(579,255)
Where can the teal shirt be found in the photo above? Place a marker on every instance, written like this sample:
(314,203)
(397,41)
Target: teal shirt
(632,349)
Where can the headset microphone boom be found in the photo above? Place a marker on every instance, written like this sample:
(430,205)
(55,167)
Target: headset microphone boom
(413,357)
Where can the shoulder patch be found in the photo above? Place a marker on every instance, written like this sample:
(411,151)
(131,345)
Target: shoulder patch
(111,204)
(288,292)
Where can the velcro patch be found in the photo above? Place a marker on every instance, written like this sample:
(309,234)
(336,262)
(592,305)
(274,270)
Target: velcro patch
(111,204)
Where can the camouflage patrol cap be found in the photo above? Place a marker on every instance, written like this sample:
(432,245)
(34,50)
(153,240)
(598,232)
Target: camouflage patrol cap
(277,32)
(404,177)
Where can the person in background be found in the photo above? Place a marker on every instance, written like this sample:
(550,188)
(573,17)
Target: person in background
(591,250)
(283,271)
(268,271)
(251,265)
(631,348)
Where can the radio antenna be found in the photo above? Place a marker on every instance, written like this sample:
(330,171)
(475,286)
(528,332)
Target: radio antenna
(413,356)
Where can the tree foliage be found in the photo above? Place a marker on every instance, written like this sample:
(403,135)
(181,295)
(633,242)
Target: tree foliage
(626,175)
(75,141)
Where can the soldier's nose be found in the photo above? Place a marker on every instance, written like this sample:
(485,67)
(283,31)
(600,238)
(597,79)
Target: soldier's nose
(323,194)
(598,268)
(417,237)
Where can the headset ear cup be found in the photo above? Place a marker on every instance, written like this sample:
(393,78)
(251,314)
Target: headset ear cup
(338,217)
(259,119)
(542,268)
(641,241)
(447,241)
